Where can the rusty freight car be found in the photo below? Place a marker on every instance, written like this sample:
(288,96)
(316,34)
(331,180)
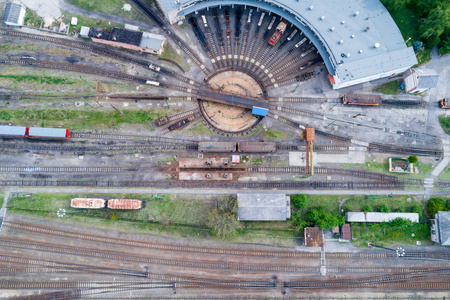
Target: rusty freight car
(87,203)
(179,125)
(361,99)
(124,204)
(257,147)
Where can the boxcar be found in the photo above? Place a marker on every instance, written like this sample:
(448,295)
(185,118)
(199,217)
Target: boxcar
(87,203)
(445,103)
(256,147)
(124,204)
(57,133)
(13,131)
(179,124)
(217,147)
(361,99)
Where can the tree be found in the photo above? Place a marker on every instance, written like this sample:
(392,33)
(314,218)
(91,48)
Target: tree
(401,209)
(413,159)
(323,219)
(384,208)
(223,224)
(436,204)
(300,201)
(395,4)
(367,208)
(436,23)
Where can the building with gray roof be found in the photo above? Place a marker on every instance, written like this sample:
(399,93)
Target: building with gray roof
(14,14)
(357,39)
(379,217)
(420,80)
(263,207)
(440,228)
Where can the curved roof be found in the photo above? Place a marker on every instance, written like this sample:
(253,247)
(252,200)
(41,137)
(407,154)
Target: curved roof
(344,32)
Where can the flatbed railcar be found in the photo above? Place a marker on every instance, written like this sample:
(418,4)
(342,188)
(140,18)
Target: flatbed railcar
(179,125)
(19,131)
(256,147)
(217,147)
(445,103)
(361,99)
(56,133)
(124,204)
(162,121)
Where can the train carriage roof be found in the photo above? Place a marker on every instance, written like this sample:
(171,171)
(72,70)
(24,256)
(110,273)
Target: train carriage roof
(12,130)
(47,132)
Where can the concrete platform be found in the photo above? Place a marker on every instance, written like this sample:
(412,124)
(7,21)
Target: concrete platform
(298,159)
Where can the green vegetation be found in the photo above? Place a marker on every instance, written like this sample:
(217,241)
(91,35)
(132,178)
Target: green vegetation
(426,21)
(367,208)
(437,204)
(445,175)
(413,159)
(38,79)
(202,129)
(170,53)
(275,134)
(89,22)
(112,7)
(223,221)
(384,208)
(32,19)
(300,201)
(389,88)
(257,160)
(323,219)
(78,119)
(398,231)
(393,203)
(445,124)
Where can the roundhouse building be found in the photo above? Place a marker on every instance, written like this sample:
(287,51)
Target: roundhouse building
(357,39)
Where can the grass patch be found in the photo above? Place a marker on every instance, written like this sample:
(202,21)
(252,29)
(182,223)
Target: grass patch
(170,53)
(89,22)
(112,7)
(356,203)
(424,169)
(78,119)
(275,134)
(38,79)
(445,175)
(257,160)
(2,197)
(32,19)
(445,124)
(390,88)
(384,235)
(201,129)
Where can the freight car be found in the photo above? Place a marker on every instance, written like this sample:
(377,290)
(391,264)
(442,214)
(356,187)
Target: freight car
(161,121)
(35,132)
(179,125)
(256,147)
(124,204)
(445,103)
(361,99)
(217,147)
(56,133)
(87,203)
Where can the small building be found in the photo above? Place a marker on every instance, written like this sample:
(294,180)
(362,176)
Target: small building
(74,21)
(84,32)
(14,14)
(420,80)
(345,232)
(129,39)
(400,165)
(440,228)
(379,217)
(263,207)
(313,237)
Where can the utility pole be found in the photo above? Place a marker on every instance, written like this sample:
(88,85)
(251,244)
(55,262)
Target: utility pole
(120,113)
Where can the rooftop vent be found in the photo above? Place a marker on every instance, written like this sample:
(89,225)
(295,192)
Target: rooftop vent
(377,45)
(208,162)
(225,175)
(342,22)
(367,28)
(356,13)
(208,175)
(341,42)
(322,17)
(352,36)
(360,51)
(311,7)
(348,54)
(332,29)
(225,162)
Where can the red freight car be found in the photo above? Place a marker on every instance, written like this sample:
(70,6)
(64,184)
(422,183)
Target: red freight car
(256,147)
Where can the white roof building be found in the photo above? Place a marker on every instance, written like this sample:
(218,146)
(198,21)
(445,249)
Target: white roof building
(357,39)
(379,217)
(14,14)
(440,229)
(420,80)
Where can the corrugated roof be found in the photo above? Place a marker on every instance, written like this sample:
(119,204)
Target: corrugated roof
(125,36)
(14,13)
(151,41)
(443,219)
(379,217)
(47,132)
(263,207)
(12,130)
(87,203)
(124,204)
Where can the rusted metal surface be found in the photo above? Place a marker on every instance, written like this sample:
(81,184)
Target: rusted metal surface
(87,203)
(124,204)
(256,147)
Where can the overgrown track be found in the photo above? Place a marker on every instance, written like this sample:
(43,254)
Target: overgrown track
(78,169)
(102,51)
(321,185)
(125,137)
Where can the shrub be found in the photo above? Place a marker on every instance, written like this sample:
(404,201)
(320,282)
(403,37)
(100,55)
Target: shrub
(114,216)
(413,159)
(223,224)
(323,219)
(384,208)
(401,209)
(436,204)
(367,208)
(300,201)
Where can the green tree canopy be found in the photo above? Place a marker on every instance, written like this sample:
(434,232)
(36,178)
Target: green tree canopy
(323,219)
(384,208)
(223,224)
(300,201)
(436,204)
(413,159)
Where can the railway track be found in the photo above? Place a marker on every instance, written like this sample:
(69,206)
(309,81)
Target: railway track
(32,169)
(125,137)
(102,51)
(320,185)
(186,114)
